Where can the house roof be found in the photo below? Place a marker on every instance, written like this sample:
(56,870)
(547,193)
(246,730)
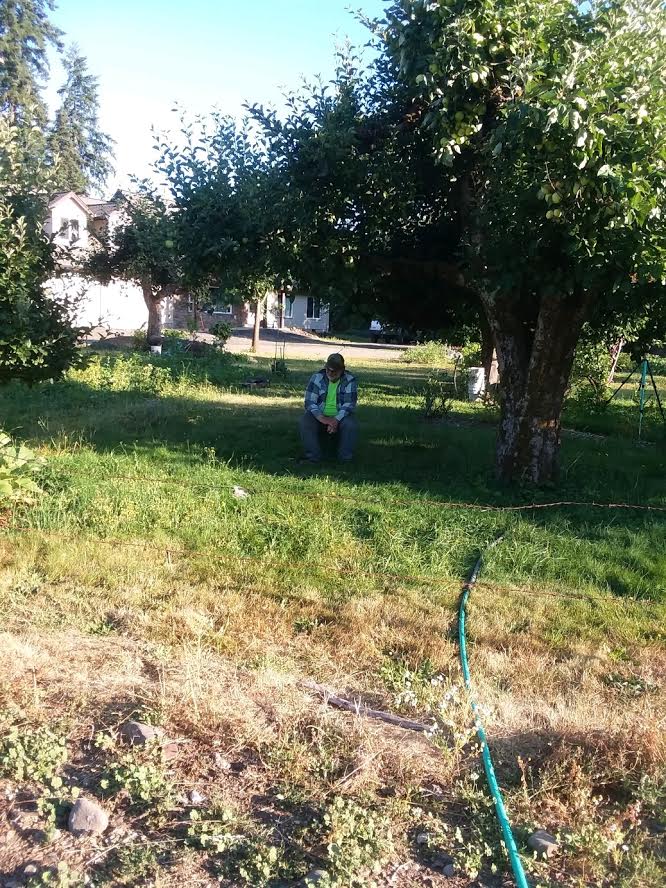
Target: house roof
(102,209)
(98,209)
(70,195)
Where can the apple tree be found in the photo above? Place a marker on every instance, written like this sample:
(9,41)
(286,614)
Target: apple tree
(549,117)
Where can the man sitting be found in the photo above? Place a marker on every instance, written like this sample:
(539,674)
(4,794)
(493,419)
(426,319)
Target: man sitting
(330,402)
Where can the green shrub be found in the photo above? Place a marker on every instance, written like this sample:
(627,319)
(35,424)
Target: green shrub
(432,352)
(18,466)
(124,373)
(436,398)
(139,341)
(591,368)
(221,331)
(38,339)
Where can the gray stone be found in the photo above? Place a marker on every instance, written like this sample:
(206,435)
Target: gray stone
(314,877)
(440,861)
(138,733)
(30,870)
(169,750)
(221,763)
(196,798)
(449,871)
(543,843)
(87,816)
(422,838)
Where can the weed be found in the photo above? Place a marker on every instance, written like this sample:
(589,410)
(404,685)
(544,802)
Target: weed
(244,855)
(279,368)
(477,845)
(358,843)
(138,773)
(432,352)
(18,466)
(437,403)
(33,754)
(60,877)
(650,793)
(132,864)
(629,685)
(306,624)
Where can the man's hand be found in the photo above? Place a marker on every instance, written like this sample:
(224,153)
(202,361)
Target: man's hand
(332,425)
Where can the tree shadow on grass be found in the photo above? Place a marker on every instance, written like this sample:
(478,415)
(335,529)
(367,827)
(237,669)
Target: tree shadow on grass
(400,456)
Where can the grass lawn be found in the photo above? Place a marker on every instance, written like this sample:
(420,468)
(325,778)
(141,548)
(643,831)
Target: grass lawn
(139,586)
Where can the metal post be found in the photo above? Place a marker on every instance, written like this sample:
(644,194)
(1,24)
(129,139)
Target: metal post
(644,372)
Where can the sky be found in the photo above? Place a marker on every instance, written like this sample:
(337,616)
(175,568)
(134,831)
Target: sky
(151,54)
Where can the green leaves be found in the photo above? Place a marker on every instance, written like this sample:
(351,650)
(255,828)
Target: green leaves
(569,99)
(18,465)
(37,339)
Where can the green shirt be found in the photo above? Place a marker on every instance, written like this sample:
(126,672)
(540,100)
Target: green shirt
(331,405)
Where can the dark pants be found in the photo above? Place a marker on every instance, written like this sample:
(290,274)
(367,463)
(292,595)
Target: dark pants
(312,431)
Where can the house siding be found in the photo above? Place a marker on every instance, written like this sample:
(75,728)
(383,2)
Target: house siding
(179,316)
(301,321)
(117,305)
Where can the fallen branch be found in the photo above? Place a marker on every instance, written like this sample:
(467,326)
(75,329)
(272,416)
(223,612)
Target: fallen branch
(359,708)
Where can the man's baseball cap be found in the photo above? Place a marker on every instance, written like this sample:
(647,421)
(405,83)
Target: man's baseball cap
(335,362)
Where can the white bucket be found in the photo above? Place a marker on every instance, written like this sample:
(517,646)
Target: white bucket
(156,349)
(476,383)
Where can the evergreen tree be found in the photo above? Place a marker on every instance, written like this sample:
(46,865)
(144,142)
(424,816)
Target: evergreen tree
(25,34)
(38,338)
(82,152)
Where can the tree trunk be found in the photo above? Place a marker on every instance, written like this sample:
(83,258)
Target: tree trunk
(535,363)
(257,321)
(154,330)
(615,352)
(282,306)
(487,347)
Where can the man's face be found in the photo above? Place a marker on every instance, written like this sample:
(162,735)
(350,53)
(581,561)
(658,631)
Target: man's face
(333,375)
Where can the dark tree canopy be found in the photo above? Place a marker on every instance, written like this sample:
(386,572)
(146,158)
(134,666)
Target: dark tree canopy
(82,152)
(25,35)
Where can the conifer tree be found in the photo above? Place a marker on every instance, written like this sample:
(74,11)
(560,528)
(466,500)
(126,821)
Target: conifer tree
(25,35)
(81,151)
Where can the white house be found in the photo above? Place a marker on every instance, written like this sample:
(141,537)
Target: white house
(73,224)
(75,221)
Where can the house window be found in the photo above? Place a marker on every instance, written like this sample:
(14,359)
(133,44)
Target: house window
(313,308)
(288,308)
(74,233)
(218,302)
(190,304)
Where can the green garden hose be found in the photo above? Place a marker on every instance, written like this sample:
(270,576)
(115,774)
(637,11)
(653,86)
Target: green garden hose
(500,810)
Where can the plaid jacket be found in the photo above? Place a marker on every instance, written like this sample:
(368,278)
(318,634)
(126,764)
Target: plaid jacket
(347,395)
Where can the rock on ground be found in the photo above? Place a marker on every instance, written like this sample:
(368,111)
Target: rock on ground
(87,816)
(543,843)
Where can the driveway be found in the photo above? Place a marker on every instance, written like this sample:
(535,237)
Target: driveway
(311,347)
(298,344)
